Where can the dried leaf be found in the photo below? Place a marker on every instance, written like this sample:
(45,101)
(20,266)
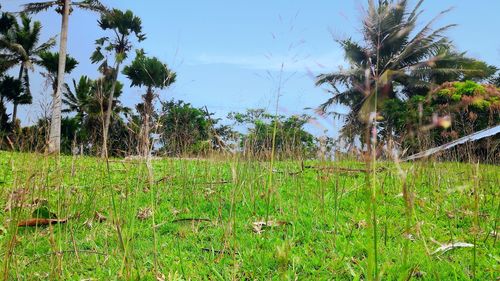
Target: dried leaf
(160,276)
(88,223)
(99,217)
(175,212)
(40,222)
(144,213)
(360,224)
(259,226)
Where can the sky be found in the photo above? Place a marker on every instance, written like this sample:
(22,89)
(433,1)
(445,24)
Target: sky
(230,55)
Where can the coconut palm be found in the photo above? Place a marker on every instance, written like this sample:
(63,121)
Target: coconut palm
(77,99)
(64,8)
(6,21)
(151,73)
(88,99)
(123,25)
(20,47)
(9,90)
(393,53)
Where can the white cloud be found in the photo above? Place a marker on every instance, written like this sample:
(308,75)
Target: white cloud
(291,63)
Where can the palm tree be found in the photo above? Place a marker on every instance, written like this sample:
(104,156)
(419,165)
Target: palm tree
(62,7)
(9,90)
(78,99)
(123,25)
(153,74)
(88,99)
(20,44)
(50,61)
(393,55)
(6,21)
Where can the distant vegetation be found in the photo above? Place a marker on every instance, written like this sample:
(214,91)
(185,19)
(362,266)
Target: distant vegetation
(413,78)
(166,190)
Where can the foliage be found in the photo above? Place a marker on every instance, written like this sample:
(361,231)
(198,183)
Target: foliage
(395,61)
(290,140)
(470,106)
(149,72)
(153,74)
(19,46)
(50,61)
(88,100)
(186,130)
(91,5)
(10,88)
(123,24)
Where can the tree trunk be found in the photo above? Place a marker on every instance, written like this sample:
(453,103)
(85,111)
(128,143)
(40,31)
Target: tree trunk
(55,124)
(107,120)
(144,136)
(14,109)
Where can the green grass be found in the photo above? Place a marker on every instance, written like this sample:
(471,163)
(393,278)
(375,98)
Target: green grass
(326,238)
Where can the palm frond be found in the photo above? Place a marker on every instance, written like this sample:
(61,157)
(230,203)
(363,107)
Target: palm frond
(36,7)
(45,46)
(91,5)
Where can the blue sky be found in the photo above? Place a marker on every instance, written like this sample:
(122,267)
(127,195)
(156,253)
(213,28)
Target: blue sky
(228,53)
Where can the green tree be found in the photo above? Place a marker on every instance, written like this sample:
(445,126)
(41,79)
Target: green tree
(88,100)
(291,138)
(78,99)
(64,8)
(20,47)
(7,21)
(189,130)
(496,80)
(123,25)
(9,90)
(50,62)
(452,110)
(395,61)
(151,73)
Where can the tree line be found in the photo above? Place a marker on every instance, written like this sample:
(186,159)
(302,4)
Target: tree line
(409,82)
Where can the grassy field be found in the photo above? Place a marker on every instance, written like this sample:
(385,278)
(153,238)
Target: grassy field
(199,220)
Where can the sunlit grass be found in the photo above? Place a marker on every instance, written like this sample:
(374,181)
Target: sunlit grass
(326,235)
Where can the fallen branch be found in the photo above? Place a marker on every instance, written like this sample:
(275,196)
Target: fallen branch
(40,222)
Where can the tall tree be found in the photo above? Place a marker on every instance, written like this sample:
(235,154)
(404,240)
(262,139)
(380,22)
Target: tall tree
(151,73)
(123,25)
(64,8)
(393,55)
(9,90)
(77,100)
(20,47)
(7,21)
(50,62)
(88,99)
